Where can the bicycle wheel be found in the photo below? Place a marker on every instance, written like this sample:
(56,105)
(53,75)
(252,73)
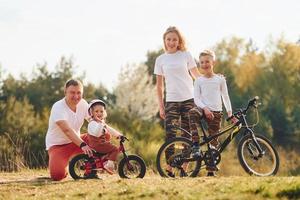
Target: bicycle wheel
(248,154)
(132,167)
(180,161)
(78,167)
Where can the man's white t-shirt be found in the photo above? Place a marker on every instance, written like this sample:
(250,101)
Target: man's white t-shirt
(61,111)
(175,69)
(209,92)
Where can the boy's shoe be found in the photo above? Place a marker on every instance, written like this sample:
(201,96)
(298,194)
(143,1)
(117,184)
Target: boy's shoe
(211,174)
(212,168)
(196,151)
(213,147)
(109,166)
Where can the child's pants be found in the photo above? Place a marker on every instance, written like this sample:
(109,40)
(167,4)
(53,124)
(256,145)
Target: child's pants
(59,157)
(195,115)
(101,145)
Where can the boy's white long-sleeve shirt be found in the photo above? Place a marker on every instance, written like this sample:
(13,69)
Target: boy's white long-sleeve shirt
(97,129)
(209,92)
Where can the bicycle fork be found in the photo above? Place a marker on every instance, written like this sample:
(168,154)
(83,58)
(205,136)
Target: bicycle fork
(257,146)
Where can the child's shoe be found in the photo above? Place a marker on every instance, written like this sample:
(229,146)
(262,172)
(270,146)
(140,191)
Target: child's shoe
(109,166)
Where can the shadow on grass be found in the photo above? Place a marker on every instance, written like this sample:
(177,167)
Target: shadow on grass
(293,193)
(35,181)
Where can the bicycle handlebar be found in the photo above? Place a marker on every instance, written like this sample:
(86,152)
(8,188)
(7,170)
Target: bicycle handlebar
(123,138)
(251,102)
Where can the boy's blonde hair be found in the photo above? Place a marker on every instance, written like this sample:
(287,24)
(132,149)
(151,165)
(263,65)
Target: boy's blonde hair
(207,52)
(173,29)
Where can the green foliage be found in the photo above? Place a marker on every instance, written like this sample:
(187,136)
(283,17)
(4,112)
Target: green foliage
(273,75)
(151,57)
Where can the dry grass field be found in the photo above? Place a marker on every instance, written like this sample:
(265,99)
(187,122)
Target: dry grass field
(35,184)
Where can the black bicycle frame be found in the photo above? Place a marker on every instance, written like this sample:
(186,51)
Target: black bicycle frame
(242,121)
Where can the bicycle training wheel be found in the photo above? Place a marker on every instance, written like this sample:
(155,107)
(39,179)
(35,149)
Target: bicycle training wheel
(132,167)
(266,164)
(78,167)
(176,153)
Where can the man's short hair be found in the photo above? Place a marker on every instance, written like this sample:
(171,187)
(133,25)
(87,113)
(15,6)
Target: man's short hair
(207,52)
(73,82)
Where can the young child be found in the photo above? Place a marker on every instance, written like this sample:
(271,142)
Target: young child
(99,133)
(209,91)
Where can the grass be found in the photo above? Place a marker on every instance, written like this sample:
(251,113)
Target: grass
(35,184)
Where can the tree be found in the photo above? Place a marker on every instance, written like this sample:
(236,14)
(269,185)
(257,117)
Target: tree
(151,57)
(135,92)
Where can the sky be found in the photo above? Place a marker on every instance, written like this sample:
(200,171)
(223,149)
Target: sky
(104,36)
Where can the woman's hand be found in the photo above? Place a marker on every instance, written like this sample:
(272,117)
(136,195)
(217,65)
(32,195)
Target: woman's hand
(162,112)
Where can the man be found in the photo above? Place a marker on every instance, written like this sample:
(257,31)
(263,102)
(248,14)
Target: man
(63,139)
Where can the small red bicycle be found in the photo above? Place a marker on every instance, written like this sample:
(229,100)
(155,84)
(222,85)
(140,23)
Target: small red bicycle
(84,167)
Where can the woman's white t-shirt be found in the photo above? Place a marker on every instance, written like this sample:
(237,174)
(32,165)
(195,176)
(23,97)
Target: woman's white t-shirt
(61,111)
(175,69)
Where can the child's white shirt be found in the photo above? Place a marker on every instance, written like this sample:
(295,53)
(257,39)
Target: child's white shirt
(98,128)
(209,92)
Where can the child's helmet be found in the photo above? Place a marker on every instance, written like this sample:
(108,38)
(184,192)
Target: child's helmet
(94,102)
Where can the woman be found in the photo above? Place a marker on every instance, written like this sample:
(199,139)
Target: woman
(175,68)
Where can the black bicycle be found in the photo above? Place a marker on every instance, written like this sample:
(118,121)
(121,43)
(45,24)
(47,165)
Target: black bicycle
(255,152)
(84,167)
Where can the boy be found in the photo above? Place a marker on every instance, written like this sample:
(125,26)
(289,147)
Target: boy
(209,91)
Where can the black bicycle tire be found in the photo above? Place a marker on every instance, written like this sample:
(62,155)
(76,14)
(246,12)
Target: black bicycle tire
(243,163)
(72,163)
(135,158)
(161,149)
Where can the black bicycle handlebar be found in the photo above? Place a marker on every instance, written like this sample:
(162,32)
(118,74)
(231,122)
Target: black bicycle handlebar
(251,102)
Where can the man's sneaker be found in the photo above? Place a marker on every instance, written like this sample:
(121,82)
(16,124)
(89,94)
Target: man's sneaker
(211,174)
(196,151)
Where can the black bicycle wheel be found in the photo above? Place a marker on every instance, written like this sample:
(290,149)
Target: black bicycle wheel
(132,167)
(248,154)
(77,167)
(180,149)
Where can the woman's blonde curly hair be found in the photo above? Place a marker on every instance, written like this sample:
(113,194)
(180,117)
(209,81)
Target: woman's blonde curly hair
(173,29)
